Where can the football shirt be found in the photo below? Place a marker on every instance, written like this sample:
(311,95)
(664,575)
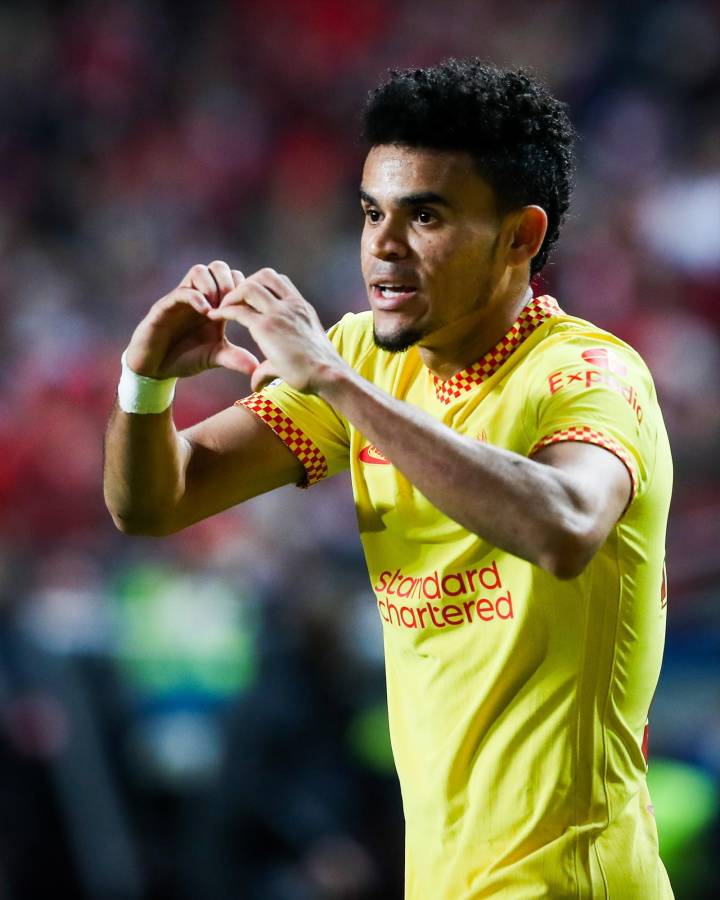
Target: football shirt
(518,702)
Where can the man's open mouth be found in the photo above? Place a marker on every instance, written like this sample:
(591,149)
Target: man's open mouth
(393,291)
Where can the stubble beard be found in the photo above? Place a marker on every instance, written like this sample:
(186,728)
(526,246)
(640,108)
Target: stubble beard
(397,343)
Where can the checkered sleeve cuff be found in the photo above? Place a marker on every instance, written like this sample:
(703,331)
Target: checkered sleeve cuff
(294,438)
(587,435)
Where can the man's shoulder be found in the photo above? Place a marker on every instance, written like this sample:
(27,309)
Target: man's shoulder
(569,340)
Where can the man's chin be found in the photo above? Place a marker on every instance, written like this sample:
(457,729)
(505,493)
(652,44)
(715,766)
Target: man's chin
(397,342)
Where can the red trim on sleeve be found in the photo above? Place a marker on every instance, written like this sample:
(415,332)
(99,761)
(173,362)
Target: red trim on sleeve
(587,435)
(294,438)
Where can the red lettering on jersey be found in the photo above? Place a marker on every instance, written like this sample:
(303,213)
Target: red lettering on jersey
(380,586)
(454,611)
(458,579)
(426,588)
(394,579)
(485,609)
(433,579)
(406,593)
(490,577)
(506,610)
(555,381)
(590,377)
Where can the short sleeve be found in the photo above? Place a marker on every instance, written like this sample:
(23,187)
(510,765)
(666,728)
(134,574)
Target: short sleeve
(306,424)
(595,390)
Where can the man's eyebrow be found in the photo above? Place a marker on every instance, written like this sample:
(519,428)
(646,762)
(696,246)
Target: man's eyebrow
(417,199)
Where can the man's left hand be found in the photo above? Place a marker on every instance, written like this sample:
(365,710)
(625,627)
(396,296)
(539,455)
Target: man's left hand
(285,327)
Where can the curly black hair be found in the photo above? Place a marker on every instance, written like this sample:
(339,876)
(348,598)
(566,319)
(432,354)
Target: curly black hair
(518,134)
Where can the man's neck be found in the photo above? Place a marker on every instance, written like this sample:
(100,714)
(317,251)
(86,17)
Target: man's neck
(458,345)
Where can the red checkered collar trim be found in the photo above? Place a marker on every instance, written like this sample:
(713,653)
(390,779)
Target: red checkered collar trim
(538,310)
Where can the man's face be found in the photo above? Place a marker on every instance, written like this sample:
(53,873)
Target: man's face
(429,242)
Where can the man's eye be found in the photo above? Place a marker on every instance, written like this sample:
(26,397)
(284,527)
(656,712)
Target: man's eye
(424,216)
(372,215)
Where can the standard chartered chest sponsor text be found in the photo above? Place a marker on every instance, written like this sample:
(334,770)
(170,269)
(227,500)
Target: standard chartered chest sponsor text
(421,601)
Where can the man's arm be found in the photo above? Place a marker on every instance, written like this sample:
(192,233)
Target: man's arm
(157,480)
(554,510)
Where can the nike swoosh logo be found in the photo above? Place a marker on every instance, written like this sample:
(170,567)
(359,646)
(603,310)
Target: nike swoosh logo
(372,455)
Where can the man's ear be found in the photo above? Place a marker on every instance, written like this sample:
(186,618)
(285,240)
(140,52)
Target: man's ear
(527,230)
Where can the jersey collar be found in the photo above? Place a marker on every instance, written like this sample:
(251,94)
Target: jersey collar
(538,311)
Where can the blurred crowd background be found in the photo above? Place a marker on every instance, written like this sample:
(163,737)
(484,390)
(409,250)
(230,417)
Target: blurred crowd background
(203,716)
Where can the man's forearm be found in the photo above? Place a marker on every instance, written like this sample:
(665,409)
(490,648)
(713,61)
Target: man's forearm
(144,475)
(515,503)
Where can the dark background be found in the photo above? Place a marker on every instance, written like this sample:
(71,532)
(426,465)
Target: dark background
(203,716)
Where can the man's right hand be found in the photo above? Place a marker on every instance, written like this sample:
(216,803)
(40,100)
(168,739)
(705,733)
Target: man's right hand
(176,339)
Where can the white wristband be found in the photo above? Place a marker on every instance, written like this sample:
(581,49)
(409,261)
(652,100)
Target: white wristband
(140,394)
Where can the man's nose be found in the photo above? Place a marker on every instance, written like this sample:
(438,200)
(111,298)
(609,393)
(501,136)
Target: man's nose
(388,240)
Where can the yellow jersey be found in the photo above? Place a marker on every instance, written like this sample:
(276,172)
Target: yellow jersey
(517,702)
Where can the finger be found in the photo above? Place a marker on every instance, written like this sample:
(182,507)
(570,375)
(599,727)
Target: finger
(230,356)
(252,294)
(238,277)
(278,284)
(199,277)
(180,302)
(263,374)
(290,286)
(235,312)
(187,279)
(220,271)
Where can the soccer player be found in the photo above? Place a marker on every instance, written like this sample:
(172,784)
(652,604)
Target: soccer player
(511,473)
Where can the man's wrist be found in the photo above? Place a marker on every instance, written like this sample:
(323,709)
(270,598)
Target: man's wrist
(141,394)
(332,381)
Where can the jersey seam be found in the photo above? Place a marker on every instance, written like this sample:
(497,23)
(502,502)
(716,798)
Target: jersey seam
(613,663)
(576,756)
(356,367)
(578,832)
(596,853)
(550,325)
